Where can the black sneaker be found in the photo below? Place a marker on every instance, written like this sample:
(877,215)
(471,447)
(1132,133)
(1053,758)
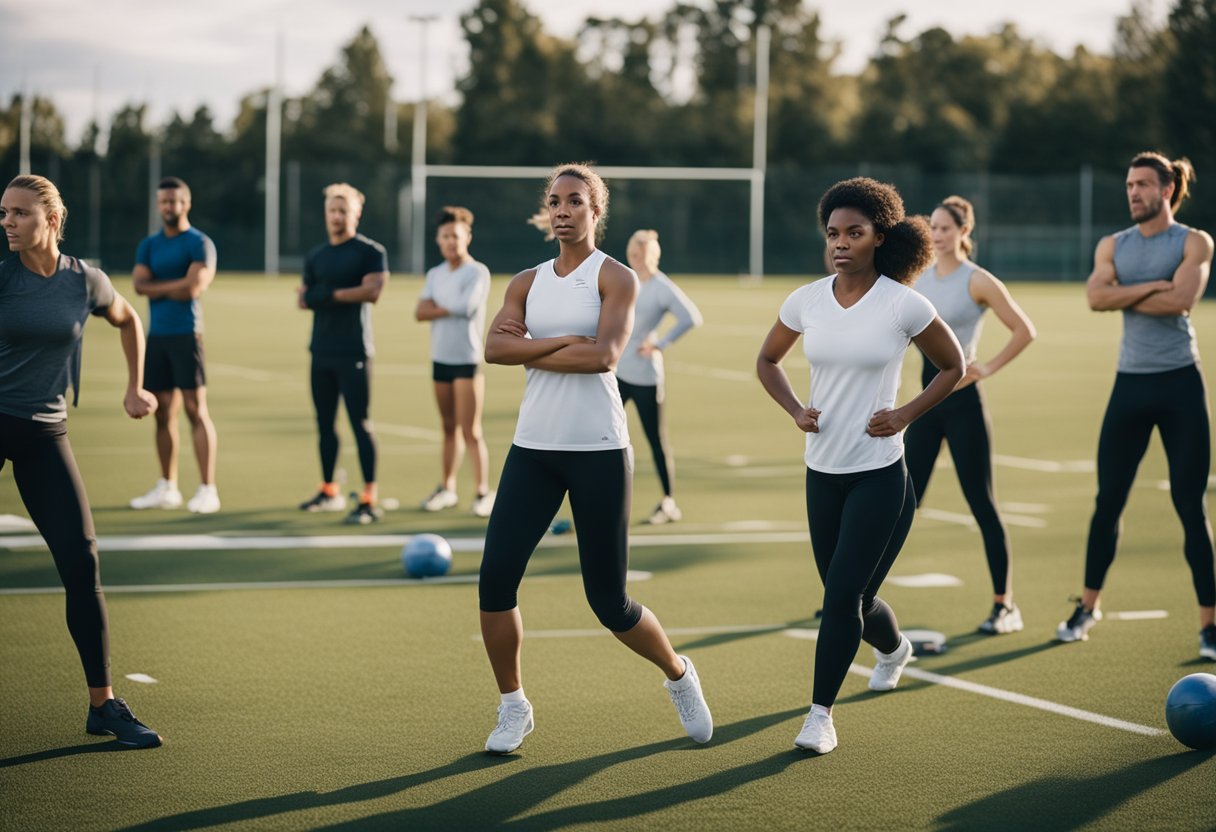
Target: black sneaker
(1207,642)
(1078,625)
(1003,619)
(324,502)
(364,514)
(114,718)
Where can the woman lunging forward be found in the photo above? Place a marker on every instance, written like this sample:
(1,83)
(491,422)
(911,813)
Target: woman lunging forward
(567,321)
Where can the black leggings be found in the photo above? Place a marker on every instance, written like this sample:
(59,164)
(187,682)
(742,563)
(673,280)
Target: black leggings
(50,486)
(650,411)
(350,378)
(962,420)
(859,522)
(1175,402)
(530,491)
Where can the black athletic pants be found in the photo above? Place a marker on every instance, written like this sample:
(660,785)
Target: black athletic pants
(650,411)
(53,493)
(859,522)
(1175,402)
(962,420)
(351,379)
(530,491)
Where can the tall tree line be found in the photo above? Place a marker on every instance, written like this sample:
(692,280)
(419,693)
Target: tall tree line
(678,90)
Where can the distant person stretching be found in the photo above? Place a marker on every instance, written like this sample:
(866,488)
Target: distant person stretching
(567,321)
(855,327)
(342,279)
(173,267)
(1155,272)
(46,298)
(454,301)
(639,375)
(962,292)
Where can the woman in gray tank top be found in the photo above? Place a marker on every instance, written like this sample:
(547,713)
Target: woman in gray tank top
(1154,273)
(46,298)
(962,292)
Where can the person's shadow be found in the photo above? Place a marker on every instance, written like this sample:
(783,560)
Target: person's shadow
(496,803)
(66,751)
(1056,804)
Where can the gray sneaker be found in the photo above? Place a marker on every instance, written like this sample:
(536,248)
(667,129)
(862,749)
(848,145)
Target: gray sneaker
(1207,642)
(1078,625)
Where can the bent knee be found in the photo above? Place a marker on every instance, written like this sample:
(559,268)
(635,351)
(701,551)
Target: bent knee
(618,613)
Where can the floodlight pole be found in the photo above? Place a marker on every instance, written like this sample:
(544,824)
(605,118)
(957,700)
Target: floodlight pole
(154,174)
(418,155)
(274,138)
(759,150)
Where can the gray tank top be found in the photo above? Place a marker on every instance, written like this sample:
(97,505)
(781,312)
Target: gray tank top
(1153,343)
(950,295)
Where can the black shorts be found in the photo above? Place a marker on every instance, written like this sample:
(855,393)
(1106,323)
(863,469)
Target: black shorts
(174,362)
(450,372)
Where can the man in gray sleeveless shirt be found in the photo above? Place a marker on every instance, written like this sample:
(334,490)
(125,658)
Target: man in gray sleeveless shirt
(1154,273)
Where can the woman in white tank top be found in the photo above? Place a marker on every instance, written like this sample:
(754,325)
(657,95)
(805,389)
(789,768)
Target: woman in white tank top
(567,322)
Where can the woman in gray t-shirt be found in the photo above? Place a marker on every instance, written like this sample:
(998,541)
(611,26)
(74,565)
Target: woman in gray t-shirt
(454,301)
(45,300)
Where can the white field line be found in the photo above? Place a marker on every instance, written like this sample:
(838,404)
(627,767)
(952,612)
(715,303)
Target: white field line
(671,631)
(143,589)
(1135,615)
(408,431)
(969,521)
(218,542)
(246,373)
(722,373)
(1050,466)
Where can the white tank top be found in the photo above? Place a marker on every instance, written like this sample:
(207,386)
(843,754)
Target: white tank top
(569,411)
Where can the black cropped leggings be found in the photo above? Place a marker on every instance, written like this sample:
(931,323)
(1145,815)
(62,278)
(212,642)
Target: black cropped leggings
(649,403)
(1175,402)
(859,522)
(351,379)
(53,493)
(530,491)
(962,421)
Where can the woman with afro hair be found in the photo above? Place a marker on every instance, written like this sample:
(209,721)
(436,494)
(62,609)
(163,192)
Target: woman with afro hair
(856,326)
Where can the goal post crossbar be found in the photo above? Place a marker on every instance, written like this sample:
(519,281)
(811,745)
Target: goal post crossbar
(416,200)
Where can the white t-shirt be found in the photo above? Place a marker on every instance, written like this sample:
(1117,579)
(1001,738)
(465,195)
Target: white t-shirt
(569,411)
(463,291)
(855,356)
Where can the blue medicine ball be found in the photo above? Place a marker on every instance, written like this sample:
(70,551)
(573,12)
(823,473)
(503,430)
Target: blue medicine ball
(1190,710)
(426,556)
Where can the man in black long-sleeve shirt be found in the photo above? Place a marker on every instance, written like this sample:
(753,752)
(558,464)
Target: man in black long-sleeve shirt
(342,279)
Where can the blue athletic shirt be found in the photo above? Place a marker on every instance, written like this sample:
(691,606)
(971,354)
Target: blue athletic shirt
(170,258)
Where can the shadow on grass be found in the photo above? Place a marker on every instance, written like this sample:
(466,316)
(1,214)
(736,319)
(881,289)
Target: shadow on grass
(726,638)
(1055,804)
(66,751)
(987,661)
(484,807)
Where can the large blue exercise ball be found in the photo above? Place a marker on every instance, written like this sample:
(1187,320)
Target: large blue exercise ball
(1190,710)
(426,556)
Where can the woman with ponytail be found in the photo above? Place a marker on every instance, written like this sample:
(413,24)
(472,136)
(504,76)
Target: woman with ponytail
(856,326)
(962,292)
(1154,272)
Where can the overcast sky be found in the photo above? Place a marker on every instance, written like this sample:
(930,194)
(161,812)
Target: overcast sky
(177,56)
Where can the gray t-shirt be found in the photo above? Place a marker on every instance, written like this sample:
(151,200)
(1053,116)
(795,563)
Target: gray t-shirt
(457,339)
(657,297)
(950,295)
(41,325)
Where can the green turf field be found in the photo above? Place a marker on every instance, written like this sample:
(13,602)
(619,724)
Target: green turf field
(308,701)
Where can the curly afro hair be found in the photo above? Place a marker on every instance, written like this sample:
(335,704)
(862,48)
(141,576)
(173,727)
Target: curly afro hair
(906,250)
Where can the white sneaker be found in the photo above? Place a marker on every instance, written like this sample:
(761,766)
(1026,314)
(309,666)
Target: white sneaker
(205,501)
(440,499)
(483,505)
(686,695)
(889,666)
(514,723)
(818,734)
(665,512)
(163,495)
(1003,619)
